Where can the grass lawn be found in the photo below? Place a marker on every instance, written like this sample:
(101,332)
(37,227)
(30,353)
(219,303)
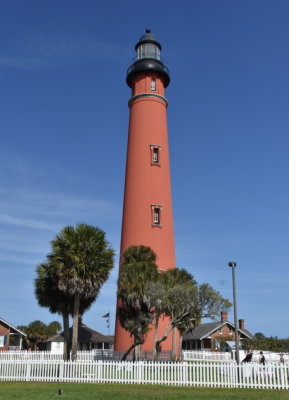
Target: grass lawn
(83,391)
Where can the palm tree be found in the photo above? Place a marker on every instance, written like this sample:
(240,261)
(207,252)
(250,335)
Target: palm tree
(53,328)
(139,254)
(50,296)
(178,276)
(36,333)
(82,261)
(138,271)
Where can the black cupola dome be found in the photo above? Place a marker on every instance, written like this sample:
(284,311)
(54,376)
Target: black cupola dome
(148,37)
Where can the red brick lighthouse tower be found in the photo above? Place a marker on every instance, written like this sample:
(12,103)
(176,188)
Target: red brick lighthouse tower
(147,209)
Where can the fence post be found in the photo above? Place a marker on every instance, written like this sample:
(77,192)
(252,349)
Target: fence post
(185,373)
(28,371)
(140,366)
(60,373)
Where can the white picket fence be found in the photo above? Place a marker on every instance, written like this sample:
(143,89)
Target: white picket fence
(91,355)
(30,355)
(191,355)
(218,374)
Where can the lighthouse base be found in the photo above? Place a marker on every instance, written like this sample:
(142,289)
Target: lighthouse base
(123,340)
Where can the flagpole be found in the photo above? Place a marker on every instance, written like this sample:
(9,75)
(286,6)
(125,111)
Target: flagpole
(107,316)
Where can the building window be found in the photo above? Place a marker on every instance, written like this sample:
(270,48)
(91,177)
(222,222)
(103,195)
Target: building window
(3,340)
(153,85)
(217,345)
(230,331)
(155,154)
(156,215)
(220,331)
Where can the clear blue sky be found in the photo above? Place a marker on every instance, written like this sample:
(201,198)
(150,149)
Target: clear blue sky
(63,129)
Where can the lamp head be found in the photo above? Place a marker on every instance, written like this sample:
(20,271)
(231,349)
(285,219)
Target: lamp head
(232,264)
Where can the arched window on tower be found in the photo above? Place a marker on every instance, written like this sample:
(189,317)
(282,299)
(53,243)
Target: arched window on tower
(153,85)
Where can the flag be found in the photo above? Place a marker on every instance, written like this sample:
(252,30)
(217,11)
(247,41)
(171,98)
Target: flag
(106,315)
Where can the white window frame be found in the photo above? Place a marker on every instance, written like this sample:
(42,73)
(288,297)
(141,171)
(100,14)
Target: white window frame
(2,340)
(153,84)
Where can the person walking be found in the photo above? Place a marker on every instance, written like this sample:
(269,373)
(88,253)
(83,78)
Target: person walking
(262,358)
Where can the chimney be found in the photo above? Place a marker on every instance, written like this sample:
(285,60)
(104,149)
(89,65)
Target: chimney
(224,316)
(241,324)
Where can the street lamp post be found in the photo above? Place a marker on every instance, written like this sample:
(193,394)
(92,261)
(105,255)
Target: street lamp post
(233,266)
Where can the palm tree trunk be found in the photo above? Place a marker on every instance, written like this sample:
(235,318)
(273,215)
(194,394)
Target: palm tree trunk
(123,358)
(137,352)
(159,341)
(75,327)
(65,317)
(174,344)
(132,347)
(180,346)
(137,348)
(156,338)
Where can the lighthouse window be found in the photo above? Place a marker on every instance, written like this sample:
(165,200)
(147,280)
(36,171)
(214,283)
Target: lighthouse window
(156,216)
(148,50)
(155,154)
(153,84)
